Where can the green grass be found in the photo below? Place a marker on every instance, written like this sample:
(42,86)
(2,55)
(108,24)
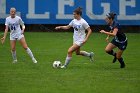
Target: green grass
(81,76)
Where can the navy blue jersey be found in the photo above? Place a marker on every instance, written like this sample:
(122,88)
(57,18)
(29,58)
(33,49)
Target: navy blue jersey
(120,36)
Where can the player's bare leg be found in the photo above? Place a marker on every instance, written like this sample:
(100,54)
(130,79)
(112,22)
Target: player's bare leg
(69,54)
(25,46)
(84,53)
(109,49)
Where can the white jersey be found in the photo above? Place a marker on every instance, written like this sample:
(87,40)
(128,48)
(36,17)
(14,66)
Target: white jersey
(79,27)
(14,26)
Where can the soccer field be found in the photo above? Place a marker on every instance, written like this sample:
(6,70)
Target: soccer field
(82,76)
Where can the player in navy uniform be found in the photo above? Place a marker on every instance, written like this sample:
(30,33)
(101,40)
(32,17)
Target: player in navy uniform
(119,40)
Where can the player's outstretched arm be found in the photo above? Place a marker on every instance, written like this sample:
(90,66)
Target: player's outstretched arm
(63,27)
(5,34)
(107,38)
(110,33)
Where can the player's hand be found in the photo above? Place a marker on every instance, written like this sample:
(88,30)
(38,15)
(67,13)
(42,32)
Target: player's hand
(107,39)
(102,31)
(2,40)
(58,27)
(84,41)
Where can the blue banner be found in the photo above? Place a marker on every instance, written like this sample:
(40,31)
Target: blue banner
(61,11)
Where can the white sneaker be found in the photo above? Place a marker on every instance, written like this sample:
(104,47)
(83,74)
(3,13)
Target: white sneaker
(91,56)
(14,61)
(63,67)
(34,60)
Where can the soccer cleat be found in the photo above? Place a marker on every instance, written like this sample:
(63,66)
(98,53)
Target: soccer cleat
(122,65)
(63,67)
(14,61)
(34,60)
(91,56)
(114,60)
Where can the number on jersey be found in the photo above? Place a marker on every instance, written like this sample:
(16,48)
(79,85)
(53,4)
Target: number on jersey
(13,27)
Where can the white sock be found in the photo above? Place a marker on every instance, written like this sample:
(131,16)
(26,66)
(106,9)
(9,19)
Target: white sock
(67,61)
(30,53)
(14,55)
(84,53)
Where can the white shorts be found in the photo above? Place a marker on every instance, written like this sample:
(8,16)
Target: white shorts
(16,37)
(78,42)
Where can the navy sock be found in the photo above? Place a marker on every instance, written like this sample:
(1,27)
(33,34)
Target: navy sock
(121,60)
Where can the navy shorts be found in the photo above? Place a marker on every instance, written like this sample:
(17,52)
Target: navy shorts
(121,46)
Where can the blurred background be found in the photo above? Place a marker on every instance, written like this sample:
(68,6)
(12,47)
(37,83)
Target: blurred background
(44,15)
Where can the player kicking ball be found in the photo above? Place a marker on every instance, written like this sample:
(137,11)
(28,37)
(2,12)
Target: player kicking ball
(79,37)
(13,23)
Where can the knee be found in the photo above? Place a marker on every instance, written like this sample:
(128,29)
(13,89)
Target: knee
(107,50)
(13,49)
(77,53)
(69,51)
(118,56)
(25,47)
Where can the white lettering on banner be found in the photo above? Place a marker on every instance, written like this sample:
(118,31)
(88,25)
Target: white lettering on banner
(31,13)
(106,6)
(122,13)
(61,9)
(3,9)
(91,15)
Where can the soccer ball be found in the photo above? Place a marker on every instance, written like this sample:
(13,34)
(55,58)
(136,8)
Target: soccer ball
(57,64)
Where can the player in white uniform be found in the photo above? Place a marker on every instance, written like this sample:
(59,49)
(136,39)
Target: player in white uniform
(79,38)
(13,23)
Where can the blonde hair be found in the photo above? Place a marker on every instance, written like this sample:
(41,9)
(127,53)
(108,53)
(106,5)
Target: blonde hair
(12,8)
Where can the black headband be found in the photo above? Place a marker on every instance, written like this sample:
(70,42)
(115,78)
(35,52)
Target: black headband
(108,15)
